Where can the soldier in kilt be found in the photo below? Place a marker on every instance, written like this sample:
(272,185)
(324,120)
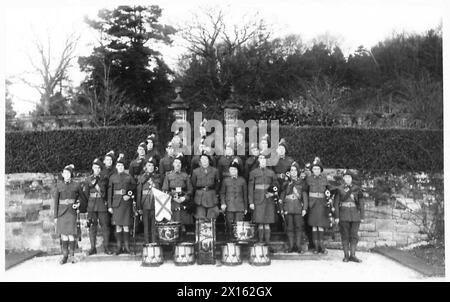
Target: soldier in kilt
(108,170)
(68,198)
(97,207)
(233,196)
(178,184)
(120,204)
(260,200)
(225,161)
(145,199)
(206,183)
(314,195)
(349,213)
(294,208)
(282,163)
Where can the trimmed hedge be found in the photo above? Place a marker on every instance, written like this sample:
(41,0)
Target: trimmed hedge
(364,149)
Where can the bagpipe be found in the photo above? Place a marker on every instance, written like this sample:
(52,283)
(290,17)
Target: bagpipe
(135,217)
(76,207)
(330,206)
(278,203)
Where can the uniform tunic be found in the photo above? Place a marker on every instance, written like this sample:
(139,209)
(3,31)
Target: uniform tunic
(206,185)
(283,165)
(144,195)
(224,163)
(233,193)
(315,194)
(165,166)
(349,208)
(251,163)
(96,195)
(66,194)
(105,174)
(293,203)
(136,167)
(119,185)
(180,184)
(260,180)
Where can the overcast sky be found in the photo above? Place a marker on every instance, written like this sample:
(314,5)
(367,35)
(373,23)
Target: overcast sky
(357,22)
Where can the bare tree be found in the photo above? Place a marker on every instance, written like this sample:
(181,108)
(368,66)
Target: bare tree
(107,105)
(51,68)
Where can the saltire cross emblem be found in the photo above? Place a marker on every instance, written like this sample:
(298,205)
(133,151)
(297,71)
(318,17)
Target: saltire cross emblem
(162,205)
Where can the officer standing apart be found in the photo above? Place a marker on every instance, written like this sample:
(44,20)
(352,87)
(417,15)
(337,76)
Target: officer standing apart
(314,194)
(206,182)
(68,198)
(233,196)
(145,199)
(260,200)
(120,204)
(349,213)
(97,208)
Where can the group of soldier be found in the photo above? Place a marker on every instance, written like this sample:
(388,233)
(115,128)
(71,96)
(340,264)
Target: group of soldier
(205,186)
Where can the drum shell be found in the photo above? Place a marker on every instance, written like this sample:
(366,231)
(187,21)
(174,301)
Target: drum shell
(168,232)
(244,231)
(259,255)
(184,249)
(152,255)
(231,254)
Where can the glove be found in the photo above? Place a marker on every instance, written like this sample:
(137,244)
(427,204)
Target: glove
(223,207)
(252,206)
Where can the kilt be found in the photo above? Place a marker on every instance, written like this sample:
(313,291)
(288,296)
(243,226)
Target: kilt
(67,223)
(318,213)
(264,212)
(122,215)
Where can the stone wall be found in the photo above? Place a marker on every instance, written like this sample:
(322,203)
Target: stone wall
(30,225)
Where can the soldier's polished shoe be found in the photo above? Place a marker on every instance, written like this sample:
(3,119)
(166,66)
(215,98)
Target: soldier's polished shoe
(271,250)
(323,251)
(108,252)
(290,250)
(92,251)
(63,260)
(354,259)
(300,251)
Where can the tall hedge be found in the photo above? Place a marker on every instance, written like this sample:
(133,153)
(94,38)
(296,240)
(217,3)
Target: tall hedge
(366,149)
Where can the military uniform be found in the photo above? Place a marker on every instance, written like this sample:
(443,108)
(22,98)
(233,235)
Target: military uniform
(224,163)
(119,185)
(206,183)
(282,165)
(233,193)
(106,174)
(165,166)
(136,167)
(66,194)
(146,202)
(349,208)
(179,184)
(195,162)
(260,180)
(293,205)
(251,163)
(154,154)
(97,208)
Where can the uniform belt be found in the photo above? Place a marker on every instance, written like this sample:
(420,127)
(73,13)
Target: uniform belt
(316,194)
(146,192)
(261,186)
(119,192)
(348,204)
(291,196)
(66,201)
(95,195)
(207,188)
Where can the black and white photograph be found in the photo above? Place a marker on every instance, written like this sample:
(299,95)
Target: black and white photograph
(223,141)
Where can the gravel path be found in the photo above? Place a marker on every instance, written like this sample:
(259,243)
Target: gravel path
(331,268)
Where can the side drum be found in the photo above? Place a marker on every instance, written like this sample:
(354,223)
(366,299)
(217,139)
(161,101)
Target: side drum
(184,254)
(231,254)
(243,231)
(259,254)
(152,255)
